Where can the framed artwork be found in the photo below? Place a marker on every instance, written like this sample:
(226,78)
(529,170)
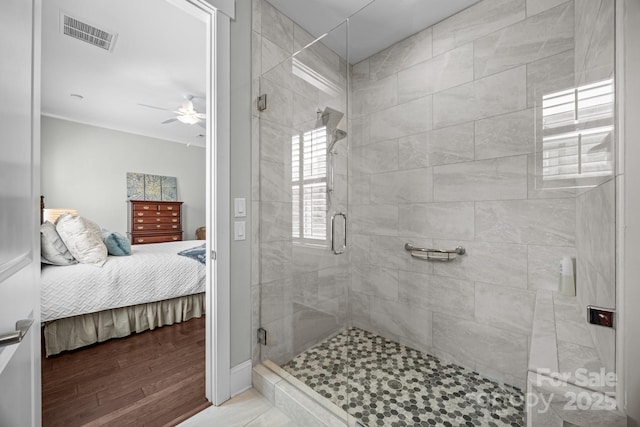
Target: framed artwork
(151,187)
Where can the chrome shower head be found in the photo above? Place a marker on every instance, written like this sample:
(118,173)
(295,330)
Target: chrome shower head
(329,118)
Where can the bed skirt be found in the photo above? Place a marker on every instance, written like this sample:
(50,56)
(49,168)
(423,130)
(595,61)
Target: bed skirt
(78,331)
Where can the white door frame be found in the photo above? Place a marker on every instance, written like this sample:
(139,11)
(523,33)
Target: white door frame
(217,15)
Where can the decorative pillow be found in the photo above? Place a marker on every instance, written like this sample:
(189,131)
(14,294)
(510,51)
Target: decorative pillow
(116,243)
(52,248)
(83,238)
(198,253)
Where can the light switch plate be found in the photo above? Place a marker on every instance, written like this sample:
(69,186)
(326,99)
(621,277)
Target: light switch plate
(239,230)
(240,207)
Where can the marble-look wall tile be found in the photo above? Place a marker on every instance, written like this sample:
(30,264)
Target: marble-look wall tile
(256,55)
(375,281)
(594,45)
(453,144)
(402,120)
(548,75)
(481,19)
(256,15)
(359,245)
(490,96)
(277,300)
(276,221)
(359,133)
(489,346)
(360,191)
(538,222)
(375,95)
(495,179)
(359,310)
(255,243)
(535,190)
(499,263)
(539,36)
(401,55)
(305,287)
(413,151)
(280,341)
(544,263)
(536,6)
(393,318)
(453,220)
(436,293)
(280,100)
(360,74)
(390,250)
(375,220)
(506,135)
(275,183)
(275,141)
(277,27)
(438,73)
(375,158)
(275,260)
(414,185)
(516,307)
(271,55)
(595,244)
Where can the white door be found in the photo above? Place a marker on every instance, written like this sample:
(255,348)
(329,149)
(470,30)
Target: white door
(19,214)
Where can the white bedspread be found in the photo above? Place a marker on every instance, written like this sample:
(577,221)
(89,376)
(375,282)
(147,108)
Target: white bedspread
(151,273)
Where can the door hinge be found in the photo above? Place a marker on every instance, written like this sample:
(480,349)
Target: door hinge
(262,336)
(213,255)
(262,102)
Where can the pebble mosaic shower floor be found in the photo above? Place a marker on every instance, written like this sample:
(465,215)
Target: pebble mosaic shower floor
(393,385)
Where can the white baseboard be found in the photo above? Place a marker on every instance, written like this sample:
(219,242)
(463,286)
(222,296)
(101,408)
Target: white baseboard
(240,378)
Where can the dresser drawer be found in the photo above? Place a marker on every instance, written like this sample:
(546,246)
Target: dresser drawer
(156,227)
(154,214)
(161,238)
(171,207)
(145,207)
(156,220)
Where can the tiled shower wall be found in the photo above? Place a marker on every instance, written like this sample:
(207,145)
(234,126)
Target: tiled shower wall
(443,144)
(299,291)
(595,240)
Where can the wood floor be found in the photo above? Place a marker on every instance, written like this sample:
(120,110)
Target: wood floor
(154,378)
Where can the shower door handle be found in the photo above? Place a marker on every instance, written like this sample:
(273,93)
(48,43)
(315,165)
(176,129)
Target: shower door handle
(333,233)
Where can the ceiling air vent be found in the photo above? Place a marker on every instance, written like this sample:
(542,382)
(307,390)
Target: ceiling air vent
(76,28)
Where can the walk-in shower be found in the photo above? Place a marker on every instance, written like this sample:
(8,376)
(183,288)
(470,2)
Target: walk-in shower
(414,207)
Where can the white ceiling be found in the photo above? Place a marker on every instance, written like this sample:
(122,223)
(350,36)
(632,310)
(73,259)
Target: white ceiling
(376,24)
(159,55)
(157,59)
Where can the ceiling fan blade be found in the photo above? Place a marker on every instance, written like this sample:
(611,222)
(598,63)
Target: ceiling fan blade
(155,108)
(169,121)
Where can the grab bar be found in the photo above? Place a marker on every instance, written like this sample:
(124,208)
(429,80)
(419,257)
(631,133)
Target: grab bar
(443,255)
(333,227)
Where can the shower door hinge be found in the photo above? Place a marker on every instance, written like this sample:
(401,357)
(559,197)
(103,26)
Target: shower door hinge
(262,336)
(214,255)
(262,102)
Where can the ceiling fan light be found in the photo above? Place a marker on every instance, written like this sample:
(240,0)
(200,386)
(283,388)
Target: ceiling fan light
(188,119)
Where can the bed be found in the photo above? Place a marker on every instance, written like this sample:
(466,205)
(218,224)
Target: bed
(154,286)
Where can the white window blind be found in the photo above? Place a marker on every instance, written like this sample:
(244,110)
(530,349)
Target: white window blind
(578,128)
(309,181)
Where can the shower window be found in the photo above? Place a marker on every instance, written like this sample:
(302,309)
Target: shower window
(309,184)
(577,134)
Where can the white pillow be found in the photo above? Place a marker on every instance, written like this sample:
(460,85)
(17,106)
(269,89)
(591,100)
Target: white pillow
(52,248)
(83,239)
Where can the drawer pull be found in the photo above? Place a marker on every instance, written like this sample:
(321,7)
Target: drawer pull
(157,219)
(158,226)
(140,213)
(141,220)
(140,240)
(169,208)
(174,213)
(174,226)
(175,238)
(145,207)
(158,213)
(174,220)
(141,227)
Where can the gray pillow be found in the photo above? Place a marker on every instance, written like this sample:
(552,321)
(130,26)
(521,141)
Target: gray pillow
(52,248)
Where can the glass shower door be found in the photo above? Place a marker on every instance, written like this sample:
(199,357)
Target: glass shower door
(303,155)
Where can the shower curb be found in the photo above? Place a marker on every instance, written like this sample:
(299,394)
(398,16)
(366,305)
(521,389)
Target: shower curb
(297,400)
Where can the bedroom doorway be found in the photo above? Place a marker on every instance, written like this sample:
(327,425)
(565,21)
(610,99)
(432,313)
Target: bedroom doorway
(214,139)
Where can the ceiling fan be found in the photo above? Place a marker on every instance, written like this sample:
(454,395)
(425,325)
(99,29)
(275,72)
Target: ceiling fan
(186,113)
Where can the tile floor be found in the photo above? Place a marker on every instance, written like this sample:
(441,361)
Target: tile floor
(248,409)
(393,385)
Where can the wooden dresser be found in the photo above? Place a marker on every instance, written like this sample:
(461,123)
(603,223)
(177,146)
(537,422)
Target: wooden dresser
(154,222)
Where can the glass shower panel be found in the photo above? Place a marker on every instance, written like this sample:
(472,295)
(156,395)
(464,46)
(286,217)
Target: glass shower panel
(304,267)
